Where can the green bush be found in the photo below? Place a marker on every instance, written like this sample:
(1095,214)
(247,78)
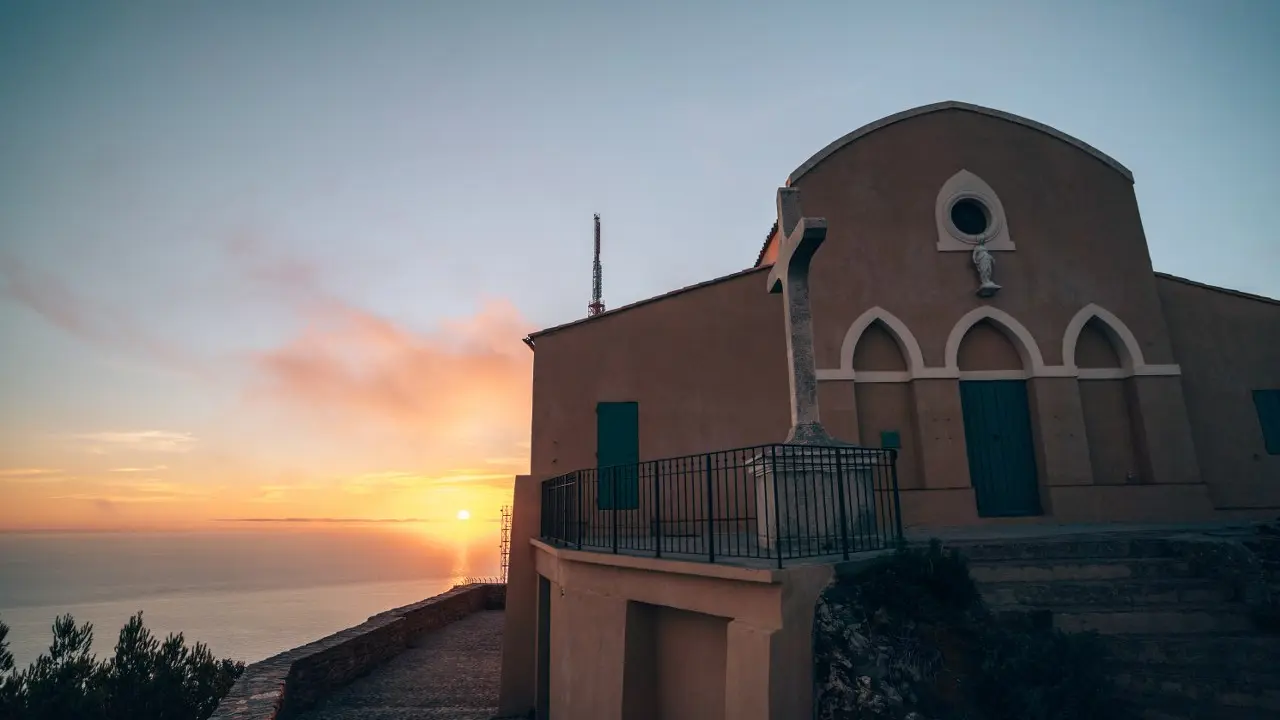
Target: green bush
(145,679)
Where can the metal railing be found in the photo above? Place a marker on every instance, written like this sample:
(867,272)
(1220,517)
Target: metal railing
(770,502)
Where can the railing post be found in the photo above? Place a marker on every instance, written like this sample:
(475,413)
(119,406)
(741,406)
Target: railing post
(657,510)
(897,505)
(844,517)
(613,497)
(578,516)
(544,513)
(711,525)
(777,521)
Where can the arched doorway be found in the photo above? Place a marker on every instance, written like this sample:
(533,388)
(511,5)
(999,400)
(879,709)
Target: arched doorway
(997,422)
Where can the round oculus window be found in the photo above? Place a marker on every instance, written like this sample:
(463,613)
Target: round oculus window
(970,217)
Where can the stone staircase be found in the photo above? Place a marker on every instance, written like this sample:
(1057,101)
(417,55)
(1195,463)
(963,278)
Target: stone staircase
(1186,649)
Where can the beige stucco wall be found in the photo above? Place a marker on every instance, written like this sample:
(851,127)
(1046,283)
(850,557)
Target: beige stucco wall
(519,632)
(645,638)
(1228,346)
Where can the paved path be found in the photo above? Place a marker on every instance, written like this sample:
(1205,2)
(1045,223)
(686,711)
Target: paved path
(449,674)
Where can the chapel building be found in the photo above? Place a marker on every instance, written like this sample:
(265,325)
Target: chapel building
(1069,383)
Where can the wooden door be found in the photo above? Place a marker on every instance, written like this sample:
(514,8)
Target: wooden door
(1002,460)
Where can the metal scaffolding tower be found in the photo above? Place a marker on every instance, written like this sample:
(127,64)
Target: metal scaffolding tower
(504,544)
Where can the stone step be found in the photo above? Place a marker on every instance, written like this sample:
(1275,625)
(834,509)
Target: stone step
(1233,692)
(1146,621)
(1065,549)
(1107,594)
(1204,654)
(1176,707)
(996,571)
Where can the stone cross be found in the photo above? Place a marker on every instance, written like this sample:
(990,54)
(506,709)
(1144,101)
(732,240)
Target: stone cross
(801,237)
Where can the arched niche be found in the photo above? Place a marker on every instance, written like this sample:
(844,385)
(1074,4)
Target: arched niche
(985,347)
(1032,362)
(878,350)
(1122,340)
(1094,347)
(889,324)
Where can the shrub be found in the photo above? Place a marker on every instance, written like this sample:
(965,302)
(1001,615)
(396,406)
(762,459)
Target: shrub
(145,679)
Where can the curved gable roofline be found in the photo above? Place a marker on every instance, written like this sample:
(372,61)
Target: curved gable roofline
(884,122)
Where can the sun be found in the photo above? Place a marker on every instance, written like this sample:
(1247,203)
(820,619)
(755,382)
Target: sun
(464,515)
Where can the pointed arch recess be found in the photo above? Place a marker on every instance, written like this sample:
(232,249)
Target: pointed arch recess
(1032,360)
(1122,339)
(901,333)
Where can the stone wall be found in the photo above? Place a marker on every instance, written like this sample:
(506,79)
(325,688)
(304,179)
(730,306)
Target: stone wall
(294,680)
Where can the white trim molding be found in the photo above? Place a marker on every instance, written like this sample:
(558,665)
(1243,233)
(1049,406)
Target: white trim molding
(1048,371)
(1032,360)
(964,185)
(907,343)
(1028,350)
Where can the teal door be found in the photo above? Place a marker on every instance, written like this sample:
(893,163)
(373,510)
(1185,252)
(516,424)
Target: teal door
(1002,460)
(618,455)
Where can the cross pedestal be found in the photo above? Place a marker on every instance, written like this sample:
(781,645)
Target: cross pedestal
(814,500)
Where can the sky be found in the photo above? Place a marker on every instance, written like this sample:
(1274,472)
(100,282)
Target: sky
(265,260)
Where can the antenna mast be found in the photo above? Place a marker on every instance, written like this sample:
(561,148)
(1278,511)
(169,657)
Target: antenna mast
(597,279)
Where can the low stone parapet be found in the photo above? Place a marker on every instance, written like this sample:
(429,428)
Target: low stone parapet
(295,680)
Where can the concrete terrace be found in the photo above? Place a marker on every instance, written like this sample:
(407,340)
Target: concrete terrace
(445,674)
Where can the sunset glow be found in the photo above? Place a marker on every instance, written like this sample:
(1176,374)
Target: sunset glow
(355,417)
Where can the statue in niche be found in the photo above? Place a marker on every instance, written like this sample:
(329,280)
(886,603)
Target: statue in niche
(985,264)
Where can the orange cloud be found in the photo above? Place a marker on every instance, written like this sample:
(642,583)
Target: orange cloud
(467,383)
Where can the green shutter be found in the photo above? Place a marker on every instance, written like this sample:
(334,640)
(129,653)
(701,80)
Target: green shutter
(1268,404)
(618,455)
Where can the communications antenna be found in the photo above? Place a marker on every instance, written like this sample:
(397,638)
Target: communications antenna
(597,279)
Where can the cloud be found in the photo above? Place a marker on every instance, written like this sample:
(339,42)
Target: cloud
(390,480)
(467,383)
(354,520)
(278,492)
(105,502)
(154,468)
(146,440)
(145,490)
(32,475)
(27,472)
(90,321)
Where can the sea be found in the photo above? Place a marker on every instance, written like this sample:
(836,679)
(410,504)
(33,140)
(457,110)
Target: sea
(248,591)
